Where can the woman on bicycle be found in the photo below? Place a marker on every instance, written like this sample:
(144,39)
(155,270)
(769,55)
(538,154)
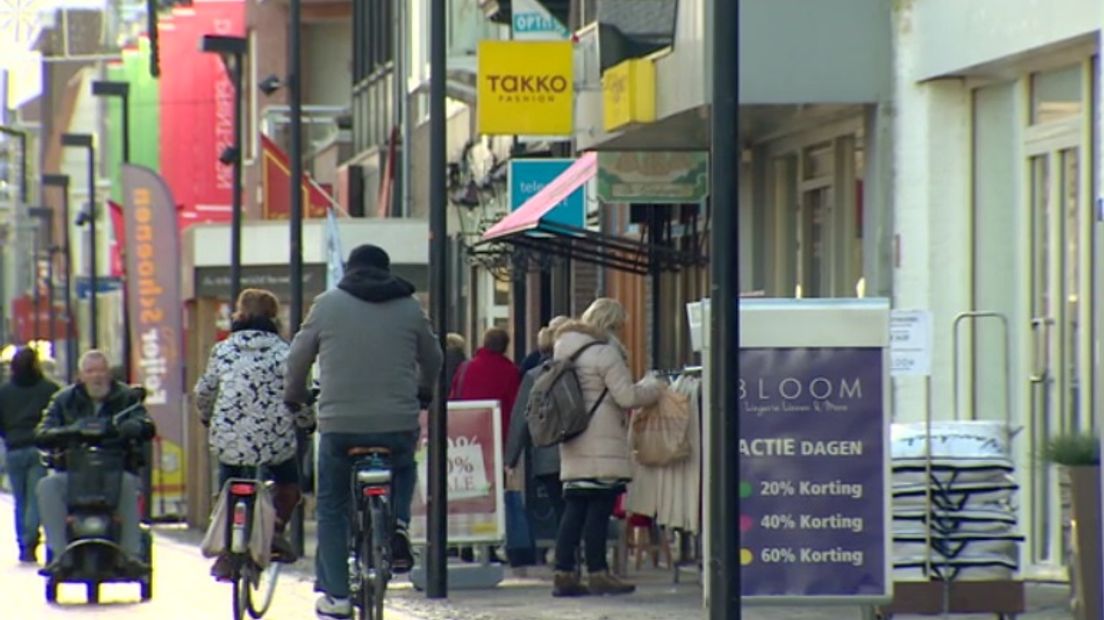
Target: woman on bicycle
(240,398)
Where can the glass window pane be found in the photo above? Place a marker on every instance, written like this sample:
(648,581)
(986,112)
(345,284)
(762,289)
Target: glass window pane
(1056,95)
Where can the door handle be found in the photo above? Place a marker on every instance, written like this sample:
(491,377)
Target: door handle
(1039,328)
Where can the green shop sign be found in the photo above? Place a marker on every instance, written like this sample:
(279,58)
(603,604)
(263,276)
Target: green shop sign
(650,177)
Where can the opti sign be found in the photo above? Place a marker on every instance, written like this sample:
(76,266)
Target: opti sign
(525,87)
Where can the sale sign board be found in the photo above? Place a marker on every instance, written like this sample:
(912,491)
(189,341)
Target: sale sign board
(476,513)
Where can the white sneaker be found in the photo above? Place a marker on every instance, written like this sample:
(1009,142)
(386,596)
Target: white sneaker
(330,607)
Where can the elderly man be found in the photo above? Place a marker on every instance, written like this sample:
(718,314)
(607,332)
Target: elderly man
(95,394)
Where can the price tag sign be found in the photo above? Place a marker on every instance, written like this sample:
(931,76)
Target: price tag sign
(910,343)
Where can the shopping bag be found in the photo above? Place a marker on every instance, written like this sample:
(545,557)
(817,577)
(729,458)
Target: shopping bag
(660,434)
(263,528)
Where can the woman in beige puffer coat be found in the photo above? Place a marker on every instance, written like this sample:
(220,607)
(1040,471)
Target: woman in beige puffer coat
(595,466)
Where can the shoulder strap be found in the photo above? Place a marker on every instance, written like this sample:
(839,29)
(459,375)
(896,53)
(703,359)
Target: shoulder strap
(576,354)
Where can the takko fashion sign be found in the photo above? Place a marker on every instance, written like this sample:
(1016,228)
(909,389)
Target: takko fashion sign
(526,87)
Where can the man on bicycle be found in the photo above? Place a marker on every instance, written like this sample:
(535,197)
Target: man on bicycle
(378,358)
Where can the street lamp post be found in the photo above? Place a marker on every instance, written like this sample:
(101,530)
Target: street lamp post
(723,574)
(232,52)
(106,88)
(437,561)
(86,141)
(62,181)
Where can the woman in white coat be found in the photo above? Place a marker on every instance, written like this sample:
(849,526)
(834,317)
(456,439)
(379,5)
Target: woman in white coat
(595,466)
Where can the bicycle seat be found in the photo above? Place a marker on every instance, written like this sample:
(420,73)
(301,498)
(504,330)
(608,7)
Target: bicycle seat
(366,450)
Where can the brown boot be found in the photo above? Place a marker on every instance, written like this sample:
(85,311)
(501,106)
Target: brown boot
(606,583)
(567,584)
(285,497)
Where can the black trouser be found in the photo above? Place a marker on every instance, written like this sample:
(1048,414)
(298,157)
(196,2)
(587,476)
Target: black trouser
(586,516)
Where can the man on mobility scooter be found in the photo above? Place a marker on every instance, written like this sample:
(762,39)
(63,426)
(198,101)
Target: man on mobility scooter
(93,432)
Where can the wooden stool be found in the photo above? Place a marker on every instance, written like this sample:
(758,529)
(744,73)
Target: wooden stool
(642,537)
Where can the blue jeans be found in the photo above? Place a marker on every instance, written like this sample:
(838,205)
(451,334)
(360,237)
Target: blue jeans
(25,470)
(335,495)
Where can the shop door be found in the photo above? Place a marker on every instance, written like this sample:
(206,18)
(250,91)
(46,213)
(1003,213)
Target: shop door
(1057,335)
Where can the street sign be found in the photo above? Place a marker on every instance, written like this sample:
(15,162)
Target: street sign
(814,523)
(910,343)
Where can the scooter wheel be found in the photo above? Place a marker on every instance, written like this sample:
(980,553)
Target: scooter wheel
(146,589)
(93,590)
(51,591)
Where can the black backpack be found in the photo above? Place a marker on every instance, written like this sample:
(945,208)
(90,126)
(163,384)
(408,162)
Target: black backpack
(557,410)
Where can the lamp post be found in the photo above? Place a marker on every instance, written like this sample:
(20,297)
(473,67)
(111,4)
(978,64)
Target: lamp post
(121,90)
(86,141)
(723,573)
(232,52)
(62,181)
(437,560)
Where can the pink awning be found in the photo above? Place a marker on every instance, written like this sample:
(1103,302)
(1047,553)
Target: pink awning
(528,216)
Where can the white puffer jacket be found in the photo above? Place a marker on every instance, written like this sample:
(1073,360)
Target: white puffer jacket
(602,451)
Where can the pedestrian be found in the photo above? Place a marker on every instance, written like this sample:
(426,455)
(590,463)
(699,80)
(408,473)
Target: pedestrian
(23,398)
(455,354)
(544,462)
(595,465)
(378,360)
(240,399)
(489,375)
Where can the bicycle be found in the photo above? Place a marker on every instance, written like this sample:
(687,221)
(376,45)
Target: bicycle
(370,530)
(246,578)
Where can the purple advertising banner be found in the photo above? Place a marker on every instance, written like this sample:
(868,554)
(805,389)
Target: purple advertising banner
(157,324)
(812,473)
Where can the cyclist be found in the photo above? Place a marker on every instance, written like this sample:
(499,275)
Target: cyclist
(240,398)
(378,359)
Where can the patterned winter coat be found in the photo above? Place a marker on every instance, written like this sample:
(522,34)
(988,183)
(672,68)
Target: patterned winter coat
(241,398)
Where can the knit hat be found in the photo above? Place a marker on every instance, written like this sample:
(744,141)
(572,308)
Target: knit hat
(369,255)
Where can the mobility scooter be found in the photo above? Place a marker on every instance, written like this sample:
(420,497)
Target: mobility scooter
(96,453)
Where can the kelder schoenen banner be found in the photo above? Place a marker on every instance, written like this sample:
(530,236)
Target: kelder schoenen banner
(156,324)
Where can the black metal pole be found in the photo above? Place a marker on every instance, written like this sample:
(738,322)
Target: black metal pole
(236,213)
(52,314)
(127,361)
(70,320)
(37,292)
(724,511)
(437,560)
(93,316)
(655,239)
(295,215)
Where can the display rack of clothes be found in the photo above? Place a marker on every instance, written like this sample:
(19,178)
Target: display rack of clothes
(671,494)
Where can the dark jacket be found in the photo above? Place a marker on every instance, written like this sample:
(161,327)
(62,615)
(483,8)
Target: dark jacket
(545,461)
(376,351)
(530,362)
(73,404)
(21,408)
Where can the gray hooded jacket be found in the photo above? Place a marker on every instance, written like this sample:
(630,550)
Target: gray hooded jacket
(376,352)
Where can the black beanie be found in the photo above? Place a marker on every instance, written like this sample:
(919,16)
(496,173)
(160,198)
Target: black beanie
(369,255)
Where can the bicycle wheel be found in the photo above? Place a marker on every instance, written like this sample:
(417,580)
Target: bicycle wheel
(263,590)
(381,553)
(240,596)
(366,598)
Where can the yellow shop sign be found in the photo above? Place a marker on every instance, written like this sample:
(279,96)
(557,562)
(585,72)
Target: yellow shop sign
(628,94)
(526,87)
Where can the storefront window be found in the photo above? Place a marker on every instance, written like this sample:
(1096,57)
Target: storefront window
(1056,95)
